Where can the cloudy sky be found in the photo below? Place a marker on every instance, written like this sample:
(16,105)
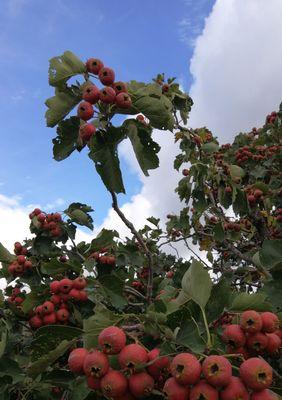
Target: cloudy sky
(226,54)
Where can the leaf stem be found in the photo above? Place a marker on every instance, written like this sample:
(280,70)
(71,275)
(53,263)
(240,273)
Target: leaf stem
(209,343)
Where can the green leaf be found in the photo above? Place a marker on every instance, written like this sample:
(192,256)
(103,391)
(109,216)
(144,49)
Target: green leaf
(273,290)
(113,287)
(5,255)
(218,232)
(63,67)
(3,342)
(271,253)
(79,213)
(188,335)
(240,205)
(61,104)
(197,283)
(236,171)
(66,141)
(254,301)
(210,147)
(103,151)
(220,298)
(80,390)
(54,267)
(93,325)
(144,147)
(32,300)
(105,238)
(43,362)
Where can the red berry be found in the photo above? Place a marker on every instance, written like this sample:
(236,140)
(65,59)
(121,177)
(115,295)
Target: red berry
(174,391)
(28,264)
(41,217)
(270,322)
(141,385)
(235,390)
(96,364)
(83,296)
(49,319)
(185,172)
(21,259)
(65,285)
(93,383)
(57,232)
(91,94)
(131,356)
(107,95)
(55,287)
(273,343)
(57,217)
(113,384)
(94,65)
(217,370)
(63,315)
(112,340)
(258,193)
(251,198)
(12,269)
(18,300)
(86,131)
(16,291)
(74,294)
(18,268)
(79,283)
(257,341)
(234,336)
(63,259)
(85,111)
(123,100)
(76,360)
(186,369)
(140,117)
(36,211)
(18,247)
(250,321)
(203,390)
(160,367)
(256,373)
(35,322)
(48,307)
(56,299)
(39,311)
(106,76)
(119,87)
(265,394)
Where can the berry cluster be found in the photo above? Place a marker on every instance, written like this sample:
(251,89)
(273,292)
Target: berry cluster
(103,257)
(255,153)
(48,222)
(271,118)
(181,378)
(22,264)
(17,297)
(113,93)
(257,334)
(56,310)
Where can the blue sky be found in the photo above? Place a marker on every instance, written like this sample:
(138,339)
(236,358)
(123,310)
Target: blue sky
(136,38)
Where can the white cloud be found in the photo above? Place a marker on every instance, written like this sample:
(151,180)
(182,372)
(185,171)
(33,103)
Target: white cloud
(236,66)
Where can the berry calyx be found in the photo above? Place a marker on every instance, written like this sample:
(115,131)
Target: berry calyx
(94,65)
(96,364)
(85,110)
(123,100)
(131,356)
(106,76)
(217,370)
(107,95)
(119,87)
(234,336)
(91,94)
(250,321)
(256,373)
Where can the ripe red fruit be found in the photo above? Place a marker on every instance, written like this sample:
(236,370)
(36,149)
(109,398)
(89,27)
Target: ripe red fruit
(47,307)
(64,306)
(18,300)
(273,343)
(35,322)
(270,322)
(250,321)
(91,94)
(27,264)
(16,291)
(86,131)
(140,117)
(56,232)
(41,217)
(21,259)
(36,211)
(112,340)
(93,383)
(123,100)
(107,95)
(174,391)
(79,283)
(235,390)
(131,356)
(65,285)
(63,259)
(265,394)
(165,87)
(119,87)
(83,296)
(160,367)
(251,198)
(186,369)
(39,311)
(234,336)
(258,193)
(94,65)
(63,315)
(96,364)
(18,246)
(141,385)
(217,370)
(55,287)
(74,294)
(76,360)
(56,299)
(256,373)
(57,217)
(113,384)
(12,268)
(85,111)
(49,319)
(185,172)
(203,391)
(106,76)
(65,296)
(257,342)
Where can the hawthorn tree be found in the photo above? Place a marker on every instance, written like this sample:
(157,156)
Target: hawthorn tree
(122,318)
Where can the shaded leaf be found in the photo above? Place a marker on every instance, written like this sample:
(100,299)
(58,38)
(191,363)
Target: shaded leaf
(188,335)
(5,255)
(271,253)
(254,301)
(66,141)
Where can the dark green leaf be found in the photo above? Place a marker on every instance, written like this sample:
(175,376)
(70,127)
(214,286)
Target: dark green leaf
(271,253)
(5,255)
(79,213)
(218,232)
(63,67)
(54,267)
(189,336)
(254,301)
(66,141)
(113,287)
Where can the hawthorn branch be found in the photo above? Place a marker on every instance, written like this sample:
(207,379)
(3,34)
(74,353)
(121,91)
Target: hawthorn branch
(142,243)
